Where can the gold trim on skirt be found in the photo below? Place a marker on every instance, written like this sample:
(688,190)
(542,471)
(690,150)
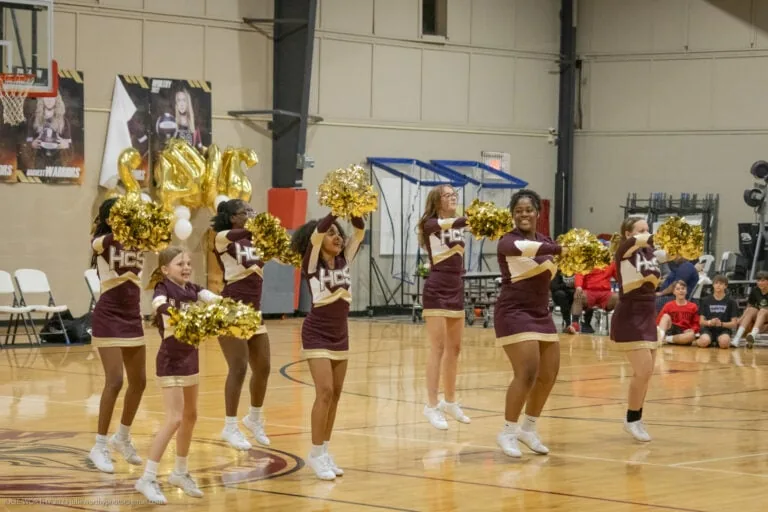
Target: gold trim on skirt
(625,346)
(324,353)
(118,342)
(527,336)
(445,313)
(178,381)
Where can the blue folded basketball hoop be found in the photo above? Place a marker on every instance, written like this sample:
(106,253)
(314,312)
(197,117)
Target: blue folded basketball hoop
(418,172)
(480,174)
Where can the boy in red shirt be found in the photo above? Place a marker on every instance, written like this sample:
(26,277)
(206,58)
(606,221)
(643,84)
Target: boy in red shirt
(592,290)
(678,321)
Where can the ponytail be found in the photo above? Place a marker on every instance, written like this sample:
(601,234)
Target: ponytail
(100,225)
(165,258)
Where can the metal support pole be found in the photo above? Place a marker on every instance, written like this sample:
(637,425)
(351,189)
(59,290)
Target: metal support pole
(566,119)
(293,51)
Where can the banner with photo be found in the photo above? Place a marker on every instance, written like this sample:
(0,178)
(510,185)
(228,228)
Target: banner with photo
(51,142)
(129,122)
(180,109)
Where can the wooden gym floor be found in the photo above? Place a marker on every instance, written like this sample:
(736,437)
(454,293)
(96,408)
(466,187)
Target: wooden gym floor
(707,410)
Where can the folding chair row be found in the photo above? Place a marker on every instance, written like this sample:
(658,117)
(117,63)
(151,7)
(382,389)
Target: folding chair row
(29,282)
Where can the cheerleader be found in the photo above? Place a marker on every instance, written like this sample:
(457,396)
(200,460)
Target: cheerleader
(324,336)
(634,320)
(442,235)
(177,373)
(118,332)
(523,323)
(243,279)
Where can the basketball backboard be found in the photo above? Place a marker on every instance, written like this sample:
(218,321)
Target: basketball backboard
(26,43)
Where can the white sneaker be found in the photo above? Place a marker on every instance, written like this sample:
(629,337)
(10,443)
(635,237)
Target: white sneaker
(235,438)
(101,459)
(532,441)
(508,443)
(126,448)
(186,483)
(332,463)
(151,490)
(637,430)
(735,342)
(257,429)
(321,466)
(436,417)
(454,410)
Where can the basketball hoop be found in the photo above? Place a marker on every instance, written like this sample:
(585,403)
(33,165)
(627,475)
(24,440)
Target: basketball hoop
(13,91)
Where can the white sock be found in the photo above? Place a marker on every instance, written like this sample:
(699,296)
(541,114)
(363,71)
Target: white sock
(150,470)
(181,466)
(661,333)
(755,331)
(255,414)
(668,339)
(510,427)
(529,423)
(317,450)
(101,441)
(739,334)
(325,446)
(123,432)
(230,422)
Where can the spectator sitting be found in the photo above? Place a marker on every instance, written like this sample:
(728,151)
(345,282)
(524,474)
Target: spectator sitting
(718,316)
(592,290)
(678,321)
(756,314)
(562,296)
(680,270)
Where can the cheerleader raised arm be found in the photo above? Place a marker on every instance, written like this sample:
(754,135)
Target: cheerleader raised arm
(324,333)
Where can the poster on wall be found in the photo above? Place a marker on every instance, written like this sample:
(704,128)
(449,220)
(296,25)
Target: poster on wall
(51,148)
(8,153)
(128,127)
(180,109)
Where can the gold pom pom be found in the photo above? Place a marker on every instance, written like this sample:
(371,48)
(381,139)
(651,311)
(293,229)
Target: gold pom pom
(348,193)
(583,253)
(679,238)
(199,321)
(272,240)
(486,220)
(139,225)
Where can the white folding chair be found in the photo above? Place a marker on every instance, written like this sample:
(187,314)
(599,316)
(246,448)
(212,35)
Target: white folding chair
(35,282)
(15,311)
(94,286)
(708,261)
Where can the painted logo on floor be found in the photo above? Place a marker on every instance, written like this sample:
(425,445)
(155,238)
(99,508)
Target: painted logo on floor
(35,464)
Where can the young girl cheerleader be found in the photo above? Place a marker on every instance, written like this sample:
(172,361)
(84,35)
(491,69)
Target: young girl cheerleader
(177,374)
(324,336)
(442,235)
(118,333)
(523,323)
(243,278)
(634,320)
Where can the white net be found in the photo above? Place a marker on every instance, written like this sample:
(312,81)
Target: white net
(13,91)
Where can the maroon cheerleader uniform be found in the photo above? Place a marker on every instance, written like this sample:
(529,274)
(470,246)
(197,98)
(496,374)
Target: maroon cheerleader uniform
(522,309)
(324,332)
(177,363)
(116,319)
(634,319)
(243,268)
(443,293)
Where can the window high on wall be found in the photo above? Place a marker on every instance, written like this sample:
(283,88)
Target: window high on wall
(434,17)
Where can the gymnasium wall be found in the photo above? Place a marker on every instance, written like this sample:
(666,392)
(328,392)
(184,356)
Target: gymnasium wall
(47,227)
(384,91)
(672,100)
